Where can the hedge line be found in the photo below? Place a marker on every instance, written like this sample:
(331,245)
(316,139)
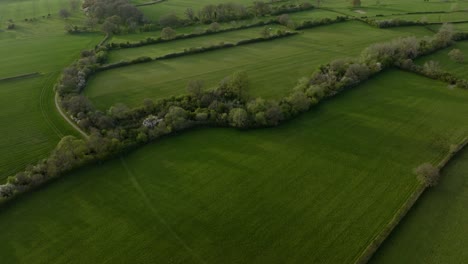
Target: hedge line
(22,76)
(404,209)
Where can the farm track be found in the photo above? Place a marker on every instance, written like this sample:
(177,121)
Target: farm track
(156,213)
(47,88)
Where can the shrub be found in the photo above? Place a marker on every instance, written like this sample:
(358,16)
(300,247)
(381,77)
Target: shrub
(427,174)
(457,55)
(168,33)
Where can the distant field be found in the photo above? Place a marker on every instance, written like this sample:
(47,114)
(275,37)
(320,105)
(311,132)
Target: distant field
(435,229)
(179,45)
(460,27)
(459,69)
(389,7)
(21,9)
(31,125)
(432,18)
(273,67)
(314,190)
(178,7)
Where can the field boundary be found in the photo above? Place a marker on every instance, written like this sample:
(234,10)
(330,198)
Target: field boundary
(22,76)
(77,128)
(375,244)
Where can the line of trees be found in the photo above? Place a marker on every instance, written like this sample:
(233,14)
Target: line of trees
(229,105)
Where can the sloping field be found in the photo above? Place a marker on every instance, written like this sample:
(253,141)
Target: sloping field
(31,125)
(447,64)
(435,231)
(432,18)
(19,10)
(273,67)
(178,7)
(179,45)
(314,190)
(389,7)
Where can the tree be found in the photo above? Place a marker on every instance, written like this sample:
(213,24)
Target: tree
(91,22)
(168,33)
(444,36)
(356,3)
(238,117)
(457,55)
(176,118)
(215,26)
(284,19)
(6,190)
(170,20)
(427,174)
(265,32)
(431,68)
(74,5)
(190,14)
(111,25)
(64,13)
(195,87)
(261,8)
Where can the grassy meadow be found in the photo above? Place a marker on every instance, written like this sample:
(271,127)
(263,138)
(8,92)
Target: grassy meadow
(459,69)
(435,230)
(179,45)
(314,190)
(19,10)
(273,67)
(34,125)
(393,7)
(432,18)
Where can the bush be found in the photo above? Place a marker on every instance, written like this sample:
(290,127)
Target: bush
(427,174)
(457,55)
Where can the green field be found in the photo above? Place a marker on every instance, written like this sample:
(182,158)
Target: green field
(432,18)
(273,67)
(19,10)
(316,189)
(459,69)
(178,7)
(179,45)
(32,127)
(435,230)
(391,7)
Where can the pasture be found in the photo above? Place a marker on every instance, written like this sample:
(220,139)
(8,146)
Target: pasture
(273,67)
(432,18)
(316,189)
(394,7)
(435,230)
(156,50)
(447,64)
(19,10)
(33,124)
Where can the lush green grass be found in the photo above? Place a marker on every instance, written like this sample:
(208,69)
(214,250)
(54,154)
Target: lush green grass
(432,18)
(390,7)
(31,126)
(21,9)
(273,67)
(435,230)
(179,45)
(178,7)
(447,64)
(314,190)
